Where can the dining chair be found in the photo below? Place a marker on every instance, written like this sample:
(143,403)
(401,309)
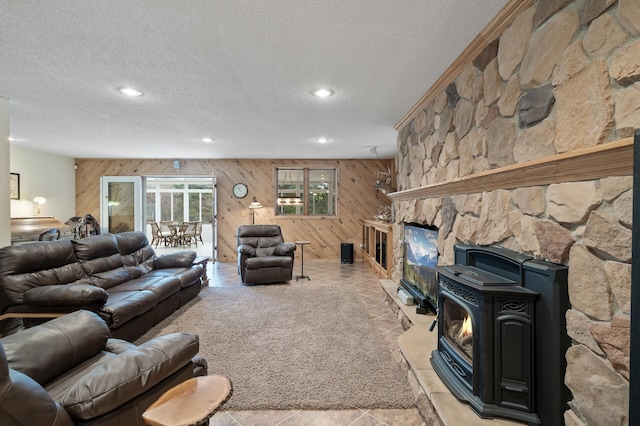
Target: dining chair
(199,232)
(50,235)
(168,232)
(189,234)
(157,236)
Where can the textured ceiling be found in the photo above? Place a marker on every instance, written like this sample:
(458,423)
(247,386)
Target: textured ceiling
(239,71)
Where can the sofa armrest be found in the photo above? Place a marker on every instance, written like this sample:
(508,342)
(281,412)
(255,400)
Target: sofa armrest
(65,295)
(200,366)
(183,259)
(284,249)
(129,374)
(117,346)
(23,401)
(247,250)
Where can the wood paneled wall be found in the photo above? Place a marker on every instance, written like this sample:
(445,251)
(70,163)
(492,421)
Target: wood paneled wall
(357,198)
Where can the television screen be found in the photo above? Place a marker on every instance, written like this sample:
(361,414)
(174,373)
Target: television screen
(419,261)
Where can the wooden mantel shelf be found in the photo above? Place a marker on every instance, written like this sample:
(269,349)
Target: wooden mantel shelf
(609,159)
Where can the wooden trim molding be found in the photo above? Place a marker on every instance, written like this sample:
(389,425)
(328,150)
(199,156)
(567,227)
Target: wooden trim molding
(492,31)
(609,159)
(31,315)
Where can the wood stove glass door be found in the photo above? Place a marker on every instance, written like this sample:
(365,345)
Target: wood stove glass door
(458,329)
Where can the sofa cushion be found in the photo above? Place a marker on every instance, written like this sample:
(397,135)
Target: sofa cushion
(65,295)
(60,344)
(163,287)
(131,242)
(187,277)
(265,251)
(122,377)
(182,259)
(135,251)
(18,259)
(101,260)
(56,264)
(111,277)
(59,386)
(122,306)
(96,247)
(269,262)
(259,235)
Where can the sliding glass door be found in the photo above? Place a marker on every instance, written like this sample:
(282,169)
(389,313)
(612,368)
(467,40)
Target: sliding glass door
(184,199)
(121,204)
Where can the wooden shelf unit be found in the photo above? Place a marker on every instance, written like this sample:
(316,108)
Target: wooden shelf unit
(377,246)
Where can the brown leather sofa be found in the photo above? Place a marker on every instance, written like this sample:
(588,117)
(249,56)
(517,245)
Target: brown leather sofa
(263,256)
(69,372)
(118,276)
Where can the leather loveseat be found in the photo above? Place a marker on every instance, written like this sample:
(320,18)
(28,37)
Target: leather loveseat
(263,256)
(118,276)
(69,372)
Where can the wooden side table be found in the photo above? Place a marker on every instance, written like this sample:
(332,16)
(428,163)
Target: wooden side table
(302,275)
(192,402)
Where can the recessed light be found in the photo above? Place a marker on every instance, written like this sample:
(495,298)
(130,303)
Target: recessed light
(130,91)
(322,93)
(11,139)
(322,140)
(207,140)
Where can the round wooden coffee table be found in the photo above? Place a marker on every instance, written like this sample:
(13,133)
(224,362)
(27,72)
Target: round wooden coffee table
(192,402)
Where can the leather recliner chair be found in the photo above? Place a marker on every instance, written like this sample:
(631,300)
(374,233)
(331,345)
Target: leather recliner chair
(69,372)
(263,256)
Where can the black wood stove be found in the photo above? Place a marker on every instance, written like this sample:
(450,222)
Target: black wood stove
(502,334)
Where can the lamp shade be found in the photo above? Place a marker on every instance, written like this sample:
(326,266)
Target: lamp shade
(39,201)
(255,204)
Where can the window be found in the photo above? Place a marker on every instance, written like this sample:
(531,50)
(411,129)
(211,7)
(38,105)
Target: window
(309,192)
(180,199)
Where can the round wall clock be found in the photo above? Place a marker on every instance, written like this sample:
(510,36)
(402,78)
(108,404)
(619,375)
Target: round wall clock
(240,190)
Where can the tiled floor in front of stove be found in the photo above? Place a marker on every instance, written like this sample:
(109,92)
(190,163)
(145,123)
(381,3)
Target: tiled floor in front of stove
(378,417)
(325,273)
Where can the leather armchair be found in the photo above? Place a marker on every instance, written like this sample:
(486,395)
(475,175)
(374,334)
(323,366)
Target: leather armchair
(263,256)
(69,372)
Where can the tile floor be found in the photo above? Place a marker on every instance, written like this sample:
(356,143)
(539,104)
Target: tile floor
(325,273)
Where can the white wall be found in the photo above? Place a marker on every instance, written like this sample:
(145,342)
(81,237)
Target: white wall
(5,223)
(47,175)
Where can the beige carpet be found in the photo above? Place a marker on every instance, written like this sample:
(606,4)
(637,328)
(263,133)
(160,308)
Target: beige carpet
(288,347)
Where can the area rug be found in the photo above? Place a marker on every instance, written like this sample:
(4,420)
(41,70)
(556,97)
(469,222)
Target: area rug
(286,347)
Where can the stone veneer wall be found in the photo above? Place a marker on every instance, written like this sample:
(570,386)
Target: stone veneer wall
(564,76)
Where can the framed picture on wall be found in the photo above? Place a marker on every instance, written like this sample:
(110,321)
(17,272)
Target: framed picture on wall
(14,186)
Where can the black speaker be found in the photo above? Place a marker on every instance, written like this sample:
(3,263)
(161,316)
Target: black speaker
(346,253)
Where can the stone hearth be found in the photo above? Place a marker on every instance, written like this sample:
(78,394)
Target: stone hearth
(436,403)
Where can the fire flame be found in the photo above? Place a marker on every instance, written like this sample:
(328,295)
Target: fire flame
(467,328)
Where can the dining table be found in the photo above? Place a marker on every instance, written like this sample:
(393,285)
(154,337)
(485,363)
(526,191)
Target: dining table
(177,232)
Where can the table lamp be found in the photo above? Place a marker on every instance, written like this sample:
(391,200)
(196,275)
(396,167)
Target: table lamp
(39,202)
